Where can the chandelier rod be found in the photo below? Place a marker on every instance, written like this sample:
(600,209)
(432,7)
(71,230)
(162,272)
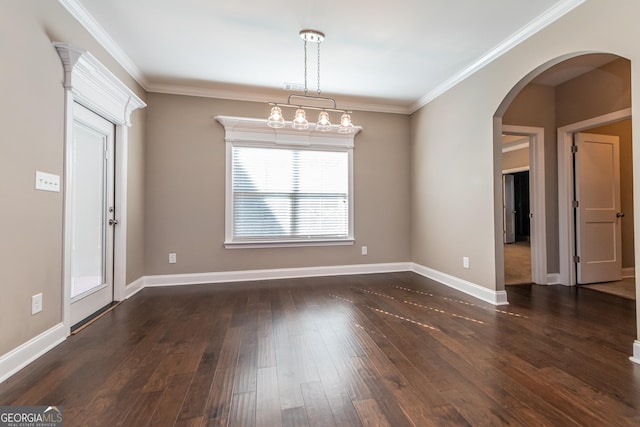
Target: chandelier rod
(305,68)
(318,67)
(311,107)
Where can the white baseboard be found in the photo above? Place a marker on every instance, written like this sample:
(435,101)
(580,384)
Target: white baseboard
(271,274)
(21,356)
(553,279)
(628,272)
(636,353)
(476,291)
(134,287)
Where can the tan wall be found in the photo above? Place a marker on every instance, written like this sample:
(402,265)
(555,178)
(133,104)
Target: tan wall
(515,159)
(455,173)
(185,191)
(32,115)
(622,129)
(594,94)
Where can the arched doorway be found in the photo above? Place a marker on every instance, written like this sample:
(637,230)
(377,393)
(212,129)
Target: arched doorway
(569,93)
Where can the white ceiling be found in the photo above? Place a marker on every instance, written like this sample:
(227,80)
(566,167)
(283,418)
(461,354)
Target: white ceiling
(387,55)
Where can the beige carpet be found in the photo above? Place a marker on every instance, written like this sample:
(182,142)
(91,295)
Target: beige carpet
(517,263)
(625,288)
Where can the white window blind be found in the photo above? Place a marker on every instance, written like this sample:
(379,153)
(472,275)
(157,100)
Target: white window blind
(289,194)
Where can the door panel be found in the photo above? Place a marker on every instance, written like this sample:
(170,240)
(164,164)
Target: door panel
(92,196)
(598,225)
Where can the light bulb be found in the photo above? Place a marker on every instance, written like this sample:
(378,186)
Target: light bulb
(345,124)
(275,120)
(323,122)
(300,121)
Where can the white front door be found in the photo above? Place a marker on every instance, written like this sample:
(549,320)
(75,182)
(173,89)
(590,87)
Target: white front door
(598,216)
(509,208)
(91,213)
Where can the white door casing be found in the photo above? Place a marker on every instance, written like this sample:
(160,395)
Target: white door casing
(537,202)
(88,82)
(567,273)
(598,216)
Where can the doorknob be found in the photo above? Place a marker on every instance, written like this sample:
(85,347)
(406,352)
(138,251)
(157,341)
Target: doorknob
(113,221)
(619,215)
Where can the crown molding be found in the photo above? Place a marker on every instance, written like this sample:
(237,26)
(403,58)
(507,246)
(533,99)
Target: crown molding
(94,86)
(253,96)
(104,39)
(99,33)
(542,21)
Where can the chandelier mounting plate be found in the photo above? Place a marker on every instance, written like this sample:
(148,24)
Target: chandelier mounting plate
(312,36)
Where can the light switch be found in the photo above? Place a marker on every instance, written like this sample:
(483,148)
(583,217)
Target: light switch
(47,182)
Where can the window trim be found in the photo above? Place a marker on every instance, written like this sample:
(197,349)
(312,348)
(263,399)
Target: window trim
(255,132)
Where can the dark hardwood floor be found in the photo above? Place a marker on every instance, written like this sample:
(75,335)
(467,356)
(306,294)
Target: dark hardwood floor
(374,350)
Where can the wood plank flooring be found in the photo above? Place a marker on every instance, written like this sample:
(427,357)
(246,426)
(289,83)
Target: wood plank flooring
(370,350)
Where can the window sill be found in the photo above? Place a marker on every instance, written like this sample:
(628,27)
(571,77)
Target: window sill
(288,244)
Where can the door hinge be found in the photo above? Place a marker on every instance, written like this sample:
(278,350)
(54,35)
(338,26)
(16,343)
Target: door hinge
(574,148)
(575,204)
(576,259)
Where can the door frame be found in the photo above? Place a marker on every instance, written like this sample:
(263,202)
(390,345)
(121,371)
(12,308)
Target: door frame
(537,199)
(91,84)
(566,226)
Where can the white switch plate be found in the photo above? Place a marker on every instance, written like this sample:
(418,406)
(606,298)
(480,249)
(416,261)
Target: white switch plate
(465,261)
(172,258)
(364,250)
(47,182)
(36,303)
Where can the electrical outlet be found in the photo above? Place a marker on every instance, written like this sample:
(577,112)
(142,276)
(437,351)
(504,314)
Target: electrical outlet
(172,258)
(36,303)
(364,250)
(465,261)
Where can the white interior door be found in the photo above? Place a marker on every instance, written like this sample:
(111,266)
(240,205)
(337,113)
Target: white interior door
(509,209)
(598,216)
(91,212)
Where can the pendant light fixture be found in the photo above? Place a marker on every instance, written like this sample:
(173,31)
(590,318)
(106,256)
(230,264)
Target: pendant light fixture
(276,119)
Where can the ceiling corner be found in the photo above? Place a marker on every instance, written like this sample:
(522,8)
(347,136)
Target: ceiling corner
(104,39)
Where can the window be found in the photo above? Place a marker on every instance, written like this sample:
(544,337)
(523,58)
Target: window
(288,193)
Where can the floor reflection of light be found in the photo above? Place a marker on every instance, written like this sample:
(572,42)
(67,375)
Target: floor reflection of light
(341,298)
(406,319)
(497,310)
(437,310)
(370,331)
(376,293)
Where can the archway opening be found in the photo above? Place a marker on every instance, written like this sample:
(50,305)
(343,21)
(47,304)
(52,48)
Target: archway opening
(578,92)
